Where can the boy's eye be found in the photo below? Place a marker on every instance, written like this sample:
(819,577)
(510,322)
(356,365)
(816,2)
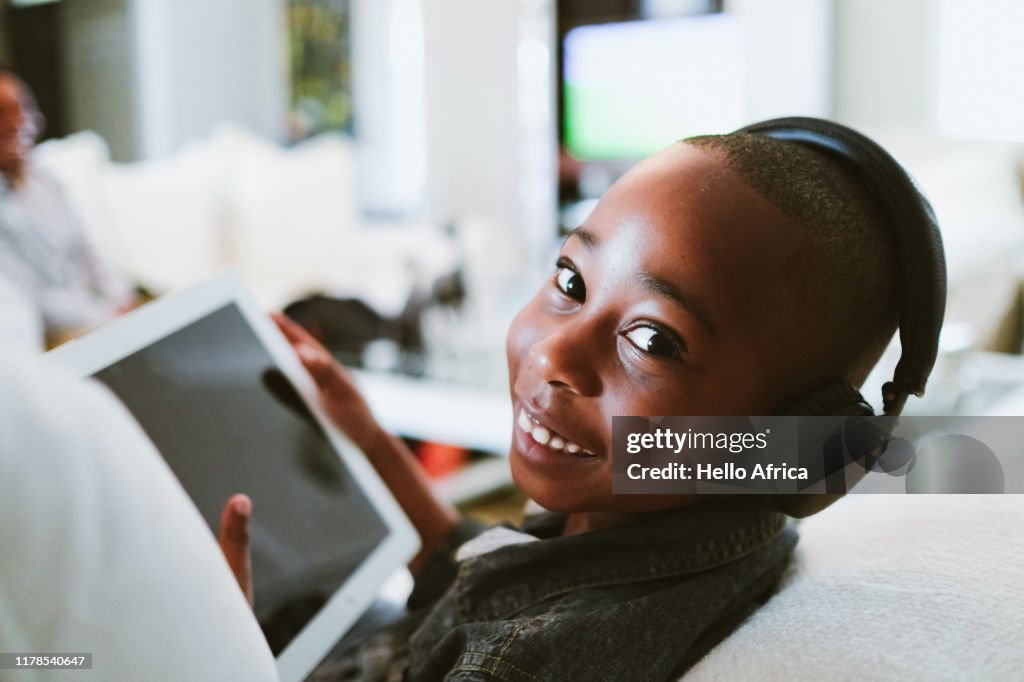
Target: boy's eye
(570,283)
(654,341)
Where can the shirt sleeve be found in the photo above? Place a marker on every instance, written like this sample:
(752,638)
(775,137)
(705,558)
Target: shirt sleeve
(105,283)
(439,571)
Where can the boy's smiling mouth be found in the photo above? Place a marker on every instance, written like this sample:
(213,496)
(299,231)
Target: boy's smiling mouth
(547,437)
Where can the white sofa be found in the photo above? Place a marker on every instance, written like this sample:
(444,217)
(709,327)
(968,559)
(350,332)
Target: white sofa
(892,587)
(287,219)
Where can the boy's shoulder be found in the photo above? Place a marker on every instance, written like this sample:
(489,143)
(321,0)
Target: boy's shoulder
(555,608)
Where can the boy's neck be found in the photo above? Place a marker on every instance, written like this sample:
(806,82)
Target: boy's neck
(584,522)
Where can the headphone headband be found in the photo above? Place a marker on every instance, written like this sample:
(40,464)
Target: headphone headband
(919,252)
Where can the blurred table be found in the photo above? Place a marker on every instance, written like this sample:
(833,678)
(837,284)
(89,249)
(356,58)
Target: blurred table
(980,383)
(473,418)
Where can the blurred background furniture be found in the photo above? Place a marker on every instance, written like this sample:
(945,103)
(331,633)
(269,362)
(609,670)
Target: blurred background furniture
(891,587)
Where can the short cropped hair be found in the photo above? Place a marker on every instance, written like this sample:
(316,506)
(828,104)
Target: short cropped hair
(847,278)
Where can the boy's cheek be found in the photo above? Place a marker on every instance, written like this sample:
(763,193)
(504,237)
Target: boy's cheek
(523,333)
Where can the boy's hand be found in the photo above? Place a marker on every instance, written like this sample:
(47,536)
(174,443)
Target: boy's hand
(339,396)
(234,541)
(394,462)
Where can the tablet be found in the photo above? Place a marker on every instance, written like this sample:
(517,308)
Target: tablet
(219,391)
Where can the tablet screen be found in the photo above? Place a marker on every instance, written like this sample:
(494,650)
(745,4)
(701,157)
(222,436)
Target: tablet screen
(211,399)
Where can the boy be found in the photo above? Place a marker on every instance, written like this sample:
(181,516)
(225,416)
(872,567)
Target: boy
(724,275)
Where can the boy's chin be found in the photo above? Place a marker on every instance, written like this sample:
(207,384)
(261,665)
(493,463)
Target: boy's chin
(572,497)
(554,498)
(551,495)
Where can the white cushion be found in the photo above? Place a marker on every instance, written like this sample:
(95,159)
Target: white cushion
(891,587)
(101,551)
(21,322)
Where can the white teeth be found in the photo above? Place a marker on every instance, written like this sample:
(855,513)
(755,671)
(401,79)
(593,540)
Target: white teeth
(541,435)
(544,436)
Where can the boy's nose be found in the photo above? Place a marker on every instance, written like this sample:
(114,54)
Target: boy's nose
(562,358)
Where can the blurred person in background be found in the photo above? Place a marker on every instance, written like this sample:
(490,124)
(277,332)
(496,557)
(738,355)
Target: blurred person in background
(48,264)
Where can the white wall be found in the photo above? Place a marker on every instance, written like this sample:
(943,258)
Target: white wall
(97,38)
(940,66)
(390,115)
(490,116)
(472,104)
(981,62)
(199,63)
(788,56)
(886,56)
(150,74)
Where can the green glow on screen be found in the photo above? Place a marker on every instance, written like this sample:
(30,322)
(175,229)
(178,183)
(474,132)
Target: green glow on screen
(633,88)
(606,123)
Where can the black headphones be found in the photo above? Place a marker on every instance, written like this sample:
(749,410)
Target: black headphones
(920,260)
(921,265)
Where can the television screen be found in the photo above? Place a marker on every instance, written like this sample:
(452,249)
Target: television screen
(631,88)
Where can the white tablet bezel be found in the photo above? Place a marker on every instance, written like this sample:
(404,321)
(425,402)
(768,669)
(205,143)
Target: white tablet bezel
(158,319)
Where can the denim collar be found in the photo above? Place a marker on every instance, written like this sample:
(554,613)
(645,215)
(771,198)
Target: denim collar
(657,546)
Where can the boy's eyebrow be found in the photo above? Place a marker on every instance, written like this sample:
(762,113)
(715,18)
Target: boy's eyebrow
(588,238)
(666,289)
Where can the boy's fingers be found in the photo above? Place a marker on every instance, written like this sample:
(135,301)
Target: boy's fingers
(314,357)
(292,330)
(234,541)
(310,351)
(337,389)
(283,323)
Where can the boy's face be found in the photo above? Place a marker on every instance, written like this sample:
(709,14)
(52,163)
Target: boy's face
(674,298)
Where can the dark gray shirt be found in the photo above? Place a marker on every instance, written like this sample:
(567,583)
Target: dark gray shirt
(641,601)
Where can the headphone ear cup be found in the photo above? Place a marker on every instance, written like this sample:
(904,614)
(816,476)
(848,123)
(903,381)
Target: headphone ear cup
(838,398)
